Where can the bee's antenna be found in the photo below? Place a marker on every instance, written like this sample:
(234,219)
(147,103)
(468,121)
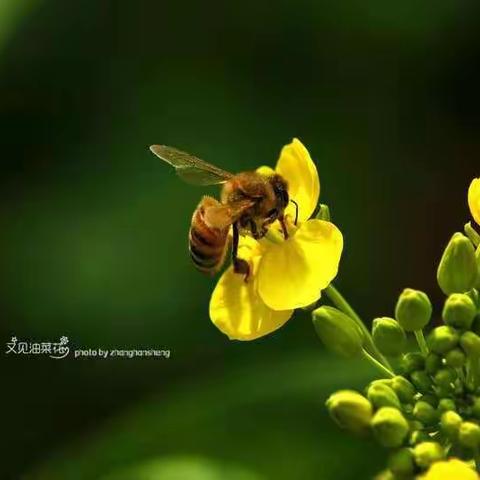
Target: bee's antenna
(296,210)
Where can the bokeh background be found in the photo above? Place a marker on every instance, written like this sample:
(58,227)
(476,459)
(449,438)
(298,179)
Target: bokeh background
(93,227)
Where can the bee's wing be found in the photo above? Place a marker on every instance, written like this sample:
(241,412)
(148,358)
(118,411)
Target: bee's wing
(222,216)
(189,168)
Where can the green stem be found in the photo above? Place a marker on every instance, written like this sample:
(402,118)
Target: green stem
(472,234)
(339,301)
(385,371)
(421,342)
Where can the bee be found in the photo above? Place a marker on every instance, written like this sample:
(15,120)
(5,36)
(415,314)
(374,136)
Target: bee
(249,204)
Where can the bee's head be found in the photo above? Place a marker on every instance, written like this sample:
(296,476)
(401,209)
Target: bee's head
(280,188)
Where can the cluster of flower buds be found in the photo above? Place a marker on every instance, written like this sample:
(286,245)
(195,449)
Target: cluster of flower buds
(426,409)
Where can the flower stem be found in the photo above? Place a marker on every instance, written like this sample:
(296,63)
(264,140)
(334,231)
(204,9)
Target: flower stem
(339,301)
(385,371)
(421,342)
(472,234)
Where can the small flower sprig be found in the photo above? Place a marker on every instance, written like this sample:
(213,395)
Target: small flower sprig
(426,411)
(426,408)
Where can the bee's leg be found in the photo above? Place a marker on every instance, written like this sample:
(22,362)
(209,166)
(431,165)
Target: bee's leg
(284,227)
(254,230)
(239,265)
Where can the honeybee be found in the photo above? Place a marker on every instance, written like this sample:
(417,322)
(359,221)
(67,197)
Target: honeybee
(249,203)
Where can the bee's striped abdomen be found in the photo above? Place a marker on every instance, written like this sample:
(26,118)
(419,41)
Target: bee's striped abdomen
(207,245)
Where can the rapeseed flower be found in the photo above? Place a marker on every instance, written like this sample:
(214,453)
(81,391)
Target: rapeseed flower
(285,274)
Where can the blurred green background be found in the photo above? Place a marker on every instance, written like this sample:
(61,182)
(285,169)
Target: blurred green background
(93,227)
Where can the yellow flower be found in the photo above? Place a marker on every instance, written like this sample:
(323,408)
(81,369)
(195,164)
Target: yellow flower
(452,469)
(474,199)
(286,274)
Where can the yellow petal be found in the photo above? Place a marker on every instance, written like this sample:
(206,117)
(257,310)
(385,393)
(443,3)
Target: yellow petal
(452,469)
(235,307)
(292,274)
(474,199)
(297,167)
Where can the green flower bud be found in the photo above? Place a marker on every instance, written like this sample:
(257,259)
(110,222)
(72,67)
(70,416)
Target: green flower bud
(413,310)
(432,363)
(426,453)
(425,413)
(459,311)
(412,361)
(446,404)
(470,342)
(457,271)
(338,331)
(475,411)
(403,388)
(450,424)
(381,395)
(442,339)
(388,336)
(421,380)
(380,381)
(469,435)
(350,410)
(401,463)
(445,377)
(323,213)
(455,358)
(389,427)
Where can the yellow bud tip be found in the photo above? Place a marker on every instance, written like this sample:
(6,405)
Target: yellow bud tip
(474,199)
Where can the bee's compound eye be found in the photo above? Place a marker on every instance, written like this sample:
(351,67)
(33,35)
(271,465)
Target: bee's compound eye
(281,190)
